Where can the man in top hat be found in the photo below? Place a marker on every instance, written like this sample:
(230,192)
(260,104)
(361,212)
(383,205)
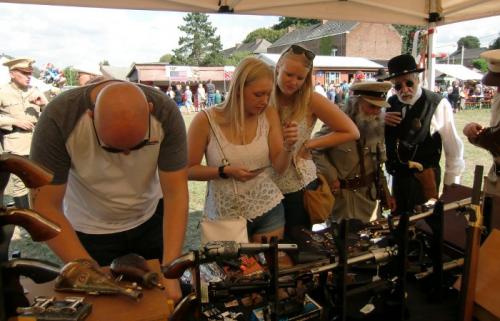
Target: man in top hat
(20,106)
(419,125)
(489,137)
(353,169)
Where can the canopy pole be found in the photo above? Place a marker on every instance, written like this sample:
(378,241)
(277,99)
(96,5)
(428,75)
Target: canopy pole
(431,60)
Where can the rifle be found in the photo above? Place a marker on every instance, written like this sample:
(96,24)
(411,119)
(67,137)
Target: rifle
(32,174)
(381,189)
(40,228)
(469,277)
(214,250)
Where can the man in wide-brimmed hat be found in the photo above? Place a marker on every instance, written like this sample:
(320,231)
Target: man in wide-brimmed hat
(19,111)
(419,125)
(353,169)
(489,137)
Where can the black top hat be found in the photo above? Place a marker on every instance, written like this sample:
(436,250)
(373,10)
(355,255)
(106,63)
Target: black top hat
(402,65)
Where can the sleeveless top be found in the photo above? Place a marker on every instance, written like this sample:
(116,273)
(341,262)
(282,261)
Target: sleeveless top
(290,181)
(229,198)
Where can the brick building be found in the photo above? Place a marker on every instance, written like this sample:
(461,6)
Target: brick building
(345,38)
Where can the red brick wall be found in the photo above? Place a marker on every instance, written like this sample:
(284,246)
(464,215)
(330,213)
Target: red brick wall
(373,41)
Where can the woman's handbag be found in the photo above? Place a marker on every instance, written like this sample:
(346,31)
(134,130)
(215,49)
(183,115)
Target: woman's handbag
(223,229)
(227,229)
(319,202)
(427,179)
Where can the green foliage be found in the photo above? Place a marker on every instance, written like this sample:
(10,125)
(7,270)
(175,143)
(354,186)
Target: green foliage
(104,63)
(270,35)
(480,64)
(495,44)
(285,22)
(200,46)
(235,58)
(325,46)
(468,42)
(71,76)
(407,32)
(166,58)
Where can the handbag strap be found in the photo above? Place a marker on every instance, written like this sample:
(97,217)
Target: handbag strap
(224,158)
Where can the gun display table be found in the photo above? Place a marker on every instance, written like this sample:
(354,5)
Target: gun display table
(151,307)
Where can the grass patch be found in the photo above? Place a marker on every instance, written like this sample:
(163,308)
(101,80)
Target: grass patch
(197,190)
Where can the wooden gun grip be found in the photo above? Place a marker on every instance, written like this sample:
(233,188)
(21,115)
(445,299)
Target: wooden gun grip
(32,174)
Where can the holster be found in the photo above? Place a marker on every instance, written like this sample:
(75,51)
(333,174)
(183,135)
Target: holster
(427,179)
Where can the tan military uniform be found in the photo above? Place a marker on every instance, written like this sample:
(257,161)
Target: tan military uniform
(15,105)
(343,163)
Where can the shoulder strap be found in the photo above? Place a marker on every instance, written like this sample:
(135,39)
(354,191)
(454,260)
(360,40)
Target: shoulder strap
(224,158)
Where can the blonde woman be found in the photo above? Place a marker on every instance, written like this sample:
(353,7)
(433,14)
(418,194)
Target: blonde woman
(247,133)
(298,104)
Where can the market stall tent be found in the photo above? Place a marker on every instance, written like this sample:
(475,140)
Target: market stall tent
(416,12)
(458,72)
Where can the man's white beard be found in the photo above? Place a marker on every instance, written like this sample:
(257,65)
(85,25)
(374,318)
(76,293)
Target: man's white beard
(371,127)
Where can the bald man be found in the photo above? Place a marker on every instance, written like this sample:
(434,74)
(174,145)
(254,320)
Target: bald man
(116,149)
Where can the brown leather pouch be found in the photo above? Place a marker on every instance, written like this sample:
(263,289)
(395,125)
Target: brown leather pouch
(427,179)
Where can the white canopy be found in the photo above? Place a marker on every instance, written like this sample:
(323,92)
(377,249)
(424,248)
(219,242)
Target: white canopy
(332,61)
(412,12)
(457,71)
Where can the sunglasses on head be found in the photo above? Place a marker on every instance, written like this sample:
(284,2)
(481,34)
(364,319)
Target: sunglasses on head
(298,50)
(409,83)
(145,142)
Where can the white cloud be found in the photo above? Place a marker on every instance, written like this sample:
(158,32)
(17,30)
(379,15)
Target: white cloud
(486,29)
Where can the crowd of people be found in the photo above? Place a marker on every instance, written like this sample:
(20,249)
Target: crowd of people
(121,155)
(196,96)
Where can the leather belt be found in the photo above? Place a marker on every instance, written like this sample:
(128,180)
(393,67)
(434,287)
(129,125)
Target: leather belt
(357,182)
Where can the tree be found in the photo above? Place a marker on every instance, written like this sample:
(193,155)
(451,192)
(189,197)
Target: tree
(270,35)
(166,58)
(104,63)
(71,76)
(480,64)
(468,42)
(495,44)
(407,32)
(235,58)
(200,46)
(285,22)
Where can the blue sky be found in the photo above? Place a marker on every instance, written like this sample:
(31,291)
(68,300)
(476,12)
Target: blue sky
(84,36)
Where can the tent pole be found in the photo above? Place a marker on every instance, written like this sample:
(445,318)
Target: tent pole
(431,61)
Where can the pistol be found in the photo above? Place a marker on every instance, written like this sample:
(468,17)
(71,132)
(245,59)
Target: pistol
(32,174)
(40,228)
(177,267)
(38,270)
(186,306)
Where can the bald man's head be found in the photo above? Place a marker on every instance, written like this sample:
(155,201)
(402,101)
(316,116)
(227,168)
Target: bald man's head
(121,115)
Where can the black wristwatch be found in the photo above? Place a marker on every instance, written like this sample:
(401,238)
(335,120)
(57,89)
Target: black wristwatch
(221,172)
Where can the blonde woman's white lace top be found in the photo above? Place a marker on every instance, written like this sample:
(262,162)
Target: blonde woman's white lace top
(231,198)
(290,181)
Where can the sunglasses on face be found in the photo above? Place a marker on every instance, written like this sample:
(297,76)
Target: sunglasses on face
(145,142)
(298,50)
(409,83)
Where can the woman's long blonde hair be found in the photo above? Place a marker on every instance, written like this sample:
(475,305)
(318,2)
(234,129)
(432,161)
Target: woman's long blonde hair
(301,98)
(248,70)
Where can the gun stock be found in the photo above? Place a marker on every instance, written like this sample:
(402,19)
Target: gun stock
(177,267)
(40,228)
(32,174)
(37,270)
(469,277)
